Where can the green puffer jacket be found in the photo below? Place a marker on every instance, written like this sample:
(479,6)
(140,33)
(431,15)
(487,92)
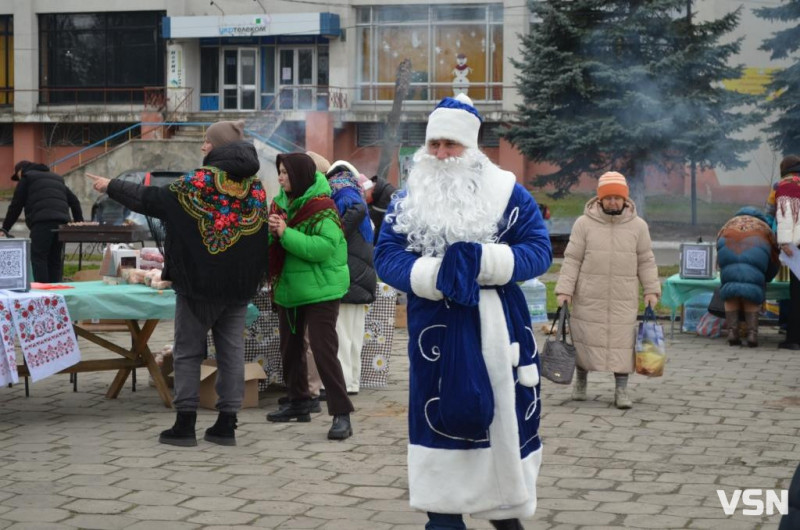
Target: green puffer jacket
(315,269)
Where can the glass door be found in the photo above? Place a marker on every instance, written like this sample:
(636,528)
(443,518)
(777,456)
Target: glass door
(297,76)
(247,78)
(239,75)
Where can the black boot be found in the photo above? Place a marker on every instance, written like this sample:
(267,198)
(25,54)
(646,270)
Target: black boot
(507,524)
(296,410)
(341,428)
(284,401)
(182,433)
(222,432)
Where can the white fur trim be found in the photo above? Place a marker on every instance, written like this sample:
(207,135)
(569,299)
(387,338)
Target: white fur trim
(336,167)
(453,124)
(423,278)
(497,186)
(530,468)
(497,264)
(528,375)
(514,354)
(492,480)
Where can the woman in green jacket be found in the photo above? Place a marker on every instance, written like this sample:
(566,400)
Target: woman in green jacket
(309,275)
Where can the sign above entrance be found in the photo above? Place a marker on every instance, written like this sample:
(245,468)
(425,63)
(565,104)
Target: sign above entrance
(252,25)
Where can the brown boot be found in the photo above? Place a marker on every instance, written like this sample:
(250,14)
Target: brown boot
(751,320)
(732,321)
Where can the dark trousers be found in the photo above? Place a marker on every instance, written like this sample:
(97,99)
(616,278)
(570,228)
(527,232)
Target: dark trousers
(320,319)
(445,521)
(454,521)
(793,323)
(46,253)
(227,324)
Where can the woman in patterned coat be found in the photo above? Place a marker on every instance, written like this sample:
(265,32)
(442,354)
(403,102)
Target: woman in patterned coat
(747,254)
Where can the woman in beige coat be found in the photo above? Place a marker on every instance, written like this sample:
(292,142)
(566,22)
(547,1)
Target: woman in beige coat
(608,255)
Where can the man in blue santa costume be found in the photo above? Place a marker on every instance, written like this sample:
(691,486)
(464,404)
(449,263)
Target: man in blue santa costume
(458,239)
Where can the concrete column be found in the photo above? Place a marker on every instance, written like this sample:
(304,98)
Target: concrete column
(26,59)
(512,160)
(152,132)
(26,138)
(319,134)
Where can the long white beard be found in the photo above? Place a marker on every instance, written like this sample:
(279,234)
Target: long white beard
(446,202)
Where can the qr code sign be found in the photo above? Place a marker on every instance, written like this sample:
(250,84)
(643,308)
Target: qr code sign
(696,259)
(11,263)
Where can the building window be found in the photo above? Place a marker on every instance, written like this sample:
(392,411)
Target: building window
(80,134)
(489,136)
(6,60)
(452,49)
(100,57)
(409,134)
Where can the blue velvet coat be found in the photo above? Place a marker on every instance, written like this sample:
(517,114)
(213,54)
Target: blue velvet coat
(747,255)
(491,474)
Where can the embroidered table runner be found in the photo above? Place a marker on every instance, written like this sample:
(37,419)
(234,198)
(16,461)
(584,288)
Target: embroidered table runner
(42,326)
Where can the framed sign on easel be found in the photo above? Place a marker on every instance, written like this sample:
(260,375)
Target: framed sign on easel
(697,261)
(15,264)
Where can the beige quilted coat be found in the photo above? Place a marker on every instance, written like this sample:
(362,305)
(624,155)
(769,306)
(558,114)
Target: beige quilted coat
(606,259)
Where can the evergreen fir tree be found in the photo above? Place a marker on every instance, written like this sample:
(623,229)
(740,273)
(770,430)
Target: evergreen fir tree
(785,84)
(622,85)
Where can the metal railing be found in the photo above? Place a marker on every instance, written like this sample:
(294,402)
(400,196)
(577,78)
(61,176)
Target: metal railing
(74,99)
(89,153)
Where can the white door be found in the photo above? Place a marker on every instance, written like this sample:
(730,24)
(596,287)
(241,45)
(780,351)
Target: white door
(297,74)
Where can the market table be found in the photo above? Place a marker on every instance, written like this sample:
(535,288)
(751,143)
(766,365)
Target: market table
(131,303)
(676,291)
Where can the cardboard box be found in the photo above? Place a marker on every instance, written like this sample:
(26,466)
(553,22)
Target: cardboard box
(400,317)
(166,372)
(253,373)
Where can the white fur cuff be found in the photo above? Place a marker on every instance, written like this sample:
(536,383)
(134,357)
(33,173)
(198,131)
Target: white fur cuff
(497,264)
(423,278)
(528,375)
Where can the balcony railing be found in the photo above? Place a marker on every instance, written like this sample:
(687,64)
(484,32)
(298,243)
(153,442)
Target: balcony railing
(76,99)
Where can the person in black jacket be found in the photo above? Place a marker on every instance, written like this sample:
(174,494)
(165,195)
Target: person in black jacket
(349,198)
(216,257)
(47,202)
(380,197)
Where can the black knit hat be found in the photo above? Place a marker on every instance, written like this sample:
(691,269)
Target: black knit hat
(301,169)
(790,164)
(23,165)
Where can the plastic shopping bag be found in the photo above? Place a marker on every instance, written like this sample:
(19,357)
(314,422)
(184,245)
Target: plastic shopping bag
(651,352)
(710,326)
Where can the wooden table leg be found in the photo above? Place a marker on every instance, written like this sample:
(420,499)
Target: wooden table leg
(140,347)
(118,383)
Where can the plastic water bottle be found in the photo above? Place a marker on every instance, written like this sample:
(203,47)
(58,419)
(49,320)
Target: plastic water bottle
(536,297)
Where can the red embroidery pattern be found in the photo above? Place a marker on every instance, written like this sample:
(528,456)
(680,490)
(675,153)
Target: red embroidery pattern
(44,329)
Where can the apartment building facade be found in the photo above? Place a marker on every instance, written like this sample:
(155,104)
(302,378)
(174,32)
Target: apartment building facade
(307,75)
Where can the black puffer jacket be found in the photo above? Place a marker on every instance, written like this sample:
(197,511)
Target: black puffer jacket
(45,198)
(381,197)
(206,263)
(363,278)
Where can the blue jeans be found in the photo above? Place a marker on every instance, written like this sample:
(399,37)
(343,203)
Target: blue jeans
(445,521)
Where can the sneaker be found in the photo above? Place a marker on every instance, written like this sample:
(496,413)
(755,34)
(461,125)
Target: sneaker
(621,399)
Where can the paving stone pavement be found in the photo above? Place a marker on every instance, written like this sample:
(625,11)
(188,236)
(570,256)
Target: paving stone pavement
(720,418)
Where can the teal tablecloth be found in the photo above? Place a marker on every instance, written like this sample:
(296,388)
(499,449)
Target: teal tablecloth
(677,290)
(88,300)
